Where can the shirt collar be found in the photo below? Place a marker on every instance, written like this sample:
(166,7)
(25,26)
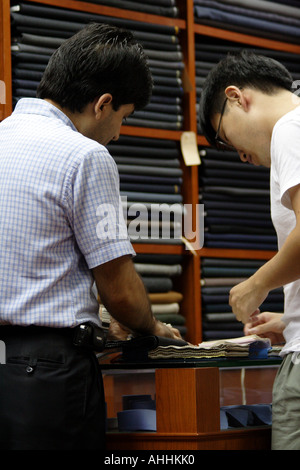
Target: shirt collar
(43,108)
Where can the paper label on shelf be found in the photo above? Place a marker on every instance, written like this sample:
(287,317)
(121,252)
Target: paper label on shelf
(189,148)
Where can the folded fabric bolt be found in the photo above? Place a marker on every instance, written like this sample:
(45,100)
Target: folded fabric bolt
(137,420)
(173,318)
(245,415)
(165,298)
(157,284)
(172,308)
(156,269)
(138,413)
(130,402)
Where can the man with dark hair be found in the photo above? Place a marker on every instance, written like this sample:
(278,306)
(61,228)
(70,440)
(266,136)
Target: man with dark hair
(58,184)
(247,104)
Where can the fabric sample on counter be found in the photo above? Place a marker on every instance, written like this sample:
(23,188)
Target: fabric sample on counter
(236,346)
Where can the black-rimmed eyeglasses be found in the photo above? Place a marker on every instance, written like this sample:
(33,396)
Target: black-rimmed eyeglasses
(220,144)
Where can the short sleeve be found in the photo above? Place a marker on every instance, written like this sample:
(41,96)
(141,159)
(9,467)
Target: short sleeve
(286,158)
(96,213)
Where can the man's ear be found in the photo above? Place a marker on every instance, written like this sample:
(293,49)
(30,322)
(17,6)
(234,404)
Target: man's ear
(236,95)
(101,104)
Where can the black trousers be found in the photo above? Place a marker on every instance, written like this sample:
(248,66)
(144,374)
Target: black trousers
(51,392)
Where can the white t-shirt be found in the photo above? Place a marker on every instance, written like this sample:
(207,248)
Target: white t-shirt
(285,173)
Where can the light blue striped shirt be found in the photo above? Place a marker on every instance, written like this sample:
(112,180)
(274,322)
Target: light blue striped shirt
(54,184)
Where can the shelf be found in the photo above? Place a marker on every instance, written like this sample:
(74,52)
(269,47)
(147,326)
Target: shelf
(242,439)
(235,253)
(151,132)
(246,38)
(159,249)
(115,12)
(201,140)
(5,62)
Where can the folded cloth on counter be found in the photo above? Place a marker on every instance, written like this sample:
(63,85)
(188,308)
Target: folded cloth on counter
(145,348)
(246,346)
(136,349)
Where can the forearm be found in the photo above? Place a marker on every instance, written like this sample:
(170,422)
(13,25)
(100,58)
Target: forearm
(122,292)
(246,297)
(131,307)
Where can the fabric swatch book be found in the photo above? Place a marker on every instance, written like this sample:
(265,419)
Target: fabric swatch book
(152,347)
(245,346)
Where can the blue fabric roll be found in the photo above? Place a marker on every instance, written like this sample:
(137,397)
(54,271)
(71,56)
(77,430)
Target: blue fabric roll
(137,420)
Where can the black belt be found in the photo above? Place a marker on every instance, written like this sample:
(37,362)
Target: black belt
(85,335)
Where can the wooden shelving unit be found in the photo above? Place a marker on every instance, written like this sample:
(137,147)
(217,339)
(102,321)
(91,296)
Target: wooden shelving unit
(187,30)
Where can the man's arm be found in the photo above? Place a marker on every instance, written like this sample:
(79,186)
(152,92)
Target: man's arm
(283,268)
(123,294)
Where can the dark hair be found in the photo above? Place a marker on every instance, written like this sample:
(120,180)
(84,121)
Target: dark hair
(98,59)
(242,69)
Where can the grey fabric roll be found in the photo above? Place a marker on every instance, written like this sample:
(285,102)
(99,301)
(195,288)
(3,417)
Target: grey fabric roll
(142,7)
(147,197)
(263,5)
(149,170)
(251,12)
(158,269)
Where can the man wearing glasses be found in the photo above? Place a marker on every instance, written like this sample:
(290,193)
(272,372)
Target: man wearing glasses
(247,105)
